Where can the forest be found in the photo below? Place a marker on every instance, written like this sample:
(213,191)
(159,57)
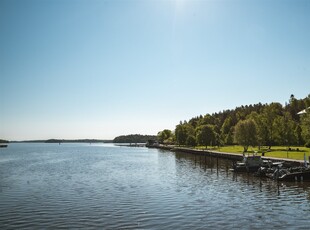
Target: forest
(134,138)
(260,124)
(3,141)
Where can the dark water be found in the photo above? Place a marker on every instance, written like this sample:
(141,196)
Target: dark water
(107,187)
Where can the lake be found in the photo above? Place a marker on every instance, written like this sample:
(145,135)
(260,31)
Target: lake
(102,186)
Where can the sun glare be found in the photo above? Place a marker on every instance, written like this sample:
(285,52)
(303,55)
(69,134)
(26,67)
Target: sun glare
(180,4)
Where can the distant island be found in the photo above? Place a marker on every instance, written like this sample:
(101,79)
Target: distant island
(134,138)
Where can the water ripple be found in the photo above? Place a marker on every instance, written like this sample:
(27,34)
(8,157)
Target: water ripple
(82,186)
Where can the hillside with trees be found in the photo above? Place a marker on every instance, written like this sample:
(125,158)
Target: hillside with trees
(3,141)
(251,125)
(134,138)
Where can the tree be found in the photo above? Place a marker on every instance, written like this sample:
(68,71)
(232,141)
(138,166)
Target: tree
(305,126)
(226,131)
(261,128)
(182,131)
(207,120)
(269,119)
(269,115)
(191,141)
(307,101)
(284,130)
(164,135)
(298,134)
(181,134)
(205,135)
(230,136)
(245,133)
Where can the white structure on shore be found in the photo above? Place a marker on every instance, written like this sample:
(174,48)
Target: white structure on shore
(304,111)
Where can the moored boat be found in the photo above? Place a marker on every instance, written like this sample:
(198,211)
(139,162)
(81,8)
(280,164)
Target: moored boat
(292,174)
(268,168)
(248,164)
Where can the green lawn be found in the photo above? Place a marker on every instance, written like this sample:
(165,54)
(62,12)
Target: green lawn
(276,151)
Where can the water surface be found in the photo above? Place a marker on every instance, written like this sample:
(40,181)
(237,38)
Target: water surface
(109,187)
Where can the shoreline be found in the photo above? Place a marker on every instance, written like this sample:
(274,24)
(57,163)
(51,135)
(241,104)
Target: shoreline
(224,155)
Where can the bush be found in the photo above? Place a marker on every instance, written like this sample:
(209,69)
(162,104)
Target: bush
(307,144)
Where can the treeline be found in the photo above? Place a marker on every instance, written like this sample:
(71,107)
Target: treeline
(3,141)
(77,141)
(254,125)
(134,138)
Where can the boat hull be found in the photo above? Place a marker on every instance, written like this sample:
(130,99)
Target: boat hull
(296,176)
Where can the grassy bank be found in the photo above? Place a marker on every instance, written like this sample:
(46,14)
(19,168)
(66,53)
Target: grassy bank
(276,151)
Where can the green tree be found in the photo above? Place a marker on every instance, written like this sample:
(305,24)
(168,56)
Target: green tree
(181,134)
(191,140)
(164,135)
(269,115)
(284,130)
(230,137)
(298,134)
(246,134)
(225,132)
(269,118)
(207,120)
(261,128)
(293,107)
(182,131)
(307,101)
(305,126)
(205,135)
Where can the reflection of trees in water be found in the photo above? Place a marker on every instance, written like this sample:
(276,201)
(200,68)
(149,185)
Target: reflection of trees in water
(272,189)
(205,161)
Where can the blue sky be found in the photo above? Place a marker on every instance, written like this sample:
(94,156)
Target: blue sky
(99,69)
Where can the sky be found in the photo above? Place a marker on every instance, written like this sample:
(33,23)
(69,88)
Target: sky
(99,69)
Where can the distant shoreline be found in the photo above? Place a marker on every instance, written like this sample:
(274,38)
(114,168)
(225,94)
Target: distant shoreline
(65,141)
